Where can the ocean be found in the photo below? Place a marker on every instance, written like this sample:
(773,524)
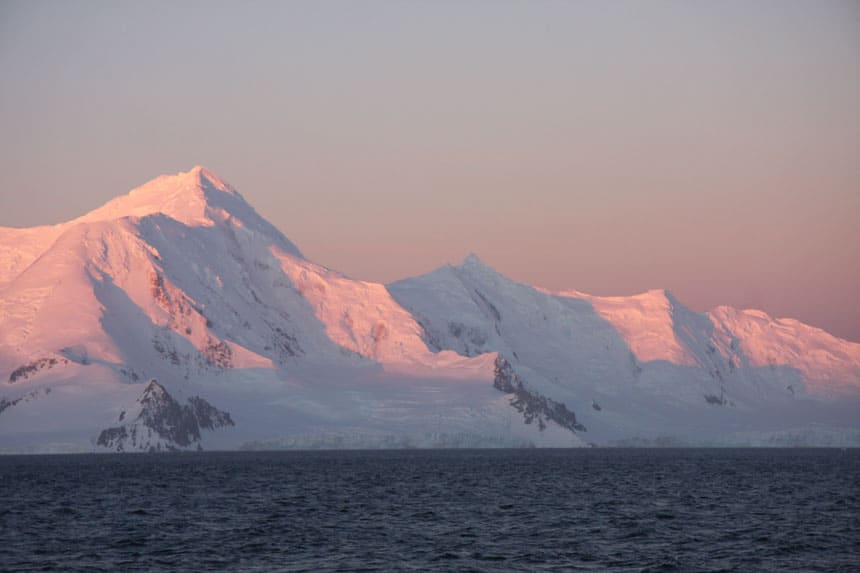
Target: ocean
(434,510)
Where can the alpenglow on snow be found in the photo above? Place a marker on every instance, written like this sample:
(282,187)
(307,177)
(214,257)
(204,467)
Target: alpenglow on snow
(176,317)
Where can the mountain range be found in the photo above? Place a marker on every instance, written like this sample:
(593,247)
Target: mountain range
(176,317)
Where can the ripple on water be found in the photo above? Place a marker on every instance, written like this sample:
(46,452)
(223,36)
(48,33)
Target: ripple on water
(550,510)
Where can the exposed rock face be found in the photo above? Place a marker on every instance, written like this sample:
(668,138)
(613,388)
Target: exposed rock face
(208,417)
(27,370)
(29,396)
(181,280)
(162,423)
(532,405)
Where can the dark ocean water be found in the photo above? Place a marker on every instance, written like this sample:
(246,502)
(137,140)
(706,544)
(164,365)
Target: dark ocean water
(504,510)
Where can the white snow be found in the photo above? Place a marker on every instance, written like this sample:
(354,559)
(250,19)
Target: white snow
(183,282)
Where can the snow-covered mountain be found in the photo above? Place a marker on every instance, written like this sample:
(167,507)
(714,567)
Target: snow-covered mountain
(176,317)
(645,369)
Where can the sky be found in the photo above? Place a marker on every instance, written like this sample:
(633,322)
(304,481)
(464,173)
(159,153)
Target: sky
(710,148)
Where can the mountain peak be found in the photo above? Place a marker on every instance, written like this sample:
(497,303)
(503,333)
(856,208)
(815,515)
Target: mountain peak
(190,197)
(471,258)
(197,198)
(205,177)
(475,267)
(661,294)
(153,388)
(472,261)
(195,181)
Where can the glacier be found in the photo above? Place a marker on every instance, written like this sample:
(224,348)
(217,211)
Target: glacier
(176,317)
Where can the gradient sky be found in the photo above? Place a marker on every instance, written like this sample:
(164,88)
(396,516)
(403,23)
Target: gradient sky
(711,148)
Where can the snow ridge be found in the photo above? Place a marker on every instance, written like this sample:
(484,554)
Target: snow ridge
(183,282)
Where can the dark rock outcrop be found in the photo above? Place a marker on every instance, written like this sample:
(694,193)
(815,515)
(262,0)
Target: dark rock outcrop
(163,423)
(533,406)
(6,403)
(27,370)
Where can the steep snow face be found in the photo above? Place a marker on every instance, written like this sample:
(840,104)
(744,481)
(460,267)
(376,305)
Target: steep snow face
(192,198)
(142,290)
(646,322)
(644,366)
(732,342)
(51,304)
(472,309)
(359,316)
(155,295)
(195,198)
(20,247)
(830,366)
(183,282)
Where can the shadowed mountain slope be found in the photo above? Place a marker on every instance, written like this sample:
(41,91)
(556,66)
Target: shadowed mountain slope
(181,281)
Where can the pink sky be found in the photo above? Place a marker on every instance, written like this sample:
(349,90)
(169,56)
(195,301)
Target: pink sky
(709,148)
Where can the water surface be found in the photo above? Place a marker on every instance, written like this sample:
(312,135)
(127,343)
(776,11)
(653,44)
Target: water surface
(478,510)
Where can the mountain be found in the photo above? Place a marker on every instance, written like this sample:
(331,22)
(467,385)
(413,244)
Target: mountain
(645,369)
(176,317)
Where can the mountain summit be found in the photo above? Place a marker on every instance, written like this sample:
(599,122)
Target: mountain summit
(195,198)
(191,197)
(182,282)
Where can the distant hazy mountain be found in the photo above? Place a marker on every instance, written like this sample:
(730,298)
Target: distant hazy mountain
(176,317)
